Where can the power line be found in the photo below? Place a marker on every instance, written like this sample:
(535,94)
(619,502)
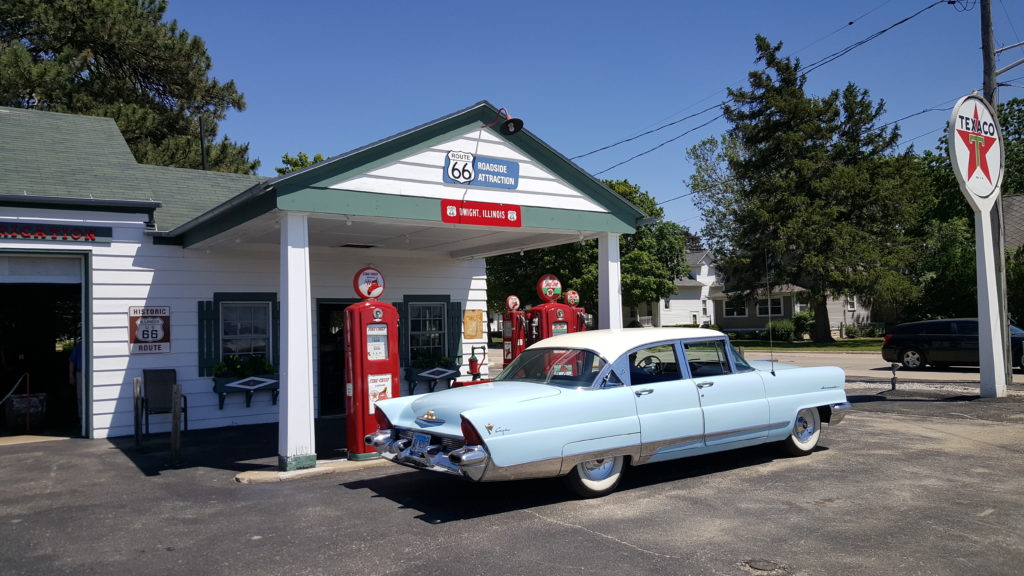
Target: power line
(669,141)
(839,54)
(812,67)
(642,134)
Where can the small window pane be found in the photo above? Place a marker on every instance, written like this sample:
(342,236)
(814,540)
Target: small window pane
(245,328)
(427,335)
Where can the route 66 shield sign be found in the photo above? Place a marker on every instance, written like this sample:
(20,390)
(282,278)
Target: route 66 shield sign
(458,167)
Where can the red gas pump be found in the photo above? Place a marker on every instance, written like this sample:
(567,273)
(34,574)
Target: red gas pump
(371,360)
(513,329)
(551,318)
(572,298)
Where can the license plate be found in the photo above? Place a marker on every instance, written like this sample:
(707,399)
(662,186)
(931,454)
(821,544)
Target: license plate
(420,442)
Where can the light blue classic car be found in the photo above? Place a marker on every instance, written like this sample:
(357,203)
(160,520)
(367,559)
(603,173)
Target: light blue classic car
(585,405)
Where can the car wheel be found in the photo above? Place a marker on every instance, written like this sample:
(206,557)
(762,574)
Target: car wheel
(805,434)
(912,359)
(596,477)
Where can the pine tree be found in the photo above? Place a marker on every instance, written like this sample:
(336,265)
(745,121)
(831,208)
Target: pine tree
(119,59)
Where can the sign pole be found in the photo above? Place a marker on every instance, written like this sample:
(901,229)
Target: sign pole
(977,155)
(990,338)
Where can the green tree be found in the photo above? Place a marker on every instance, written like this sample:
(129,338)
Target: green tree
(804,190)
(1011,121)
(651,260)
(297,162)
(119,59)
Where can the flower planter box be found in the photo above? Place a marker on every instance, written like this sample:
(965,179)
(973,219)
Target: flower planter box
(224,385)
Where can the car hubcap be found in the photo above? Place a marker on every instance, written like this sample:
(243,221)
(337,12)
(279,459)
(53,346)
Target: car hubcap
(804,428)
(912,359)
(597,469)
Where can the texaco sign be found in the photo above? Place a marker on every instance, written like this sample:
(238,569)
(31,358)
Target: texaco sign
(976,151)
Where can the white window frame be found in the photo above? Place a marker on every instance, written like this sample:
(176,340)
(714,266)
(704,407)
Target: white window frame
(851,303)
(768,306)
(267,311)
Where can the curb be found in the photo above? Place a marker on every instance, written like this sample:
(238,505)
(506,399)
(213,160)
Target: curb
(322,467)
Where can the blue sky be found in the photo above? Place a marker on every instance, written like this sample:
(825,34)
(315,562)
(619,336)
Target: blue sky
(330,76)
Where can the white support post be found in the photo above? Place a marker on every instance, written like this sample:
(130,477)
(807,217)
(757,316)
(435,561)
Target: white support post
(992,356)
(609,282)
(296,440)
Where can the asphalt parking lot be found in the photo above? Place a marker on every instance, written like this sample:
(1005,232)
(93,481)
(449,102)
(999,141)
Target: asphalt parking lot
(914,481)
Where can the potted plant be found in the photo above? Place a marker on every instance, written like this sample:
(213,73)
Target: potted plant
(244,373)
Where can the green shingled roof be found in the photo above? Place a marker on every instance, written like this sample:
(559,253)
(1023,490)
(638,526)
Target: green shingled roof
(54,155)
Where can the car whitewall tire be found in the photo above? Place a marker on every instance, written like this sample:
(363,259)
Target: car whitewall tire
(805,434)
(596,477)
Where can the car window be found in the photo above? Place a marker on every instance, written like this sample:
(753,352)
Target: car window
(656,363)
(966,328)
(739,360)
(707,358)
(560,366)
(940,328)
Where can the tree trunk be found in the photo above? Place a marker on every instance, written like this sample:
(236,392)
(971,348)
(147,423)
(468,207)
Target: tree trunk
(822,328)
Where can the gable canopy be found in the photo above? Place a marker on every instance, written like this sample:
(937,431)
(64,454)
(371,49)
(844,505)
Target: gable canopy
(513,193)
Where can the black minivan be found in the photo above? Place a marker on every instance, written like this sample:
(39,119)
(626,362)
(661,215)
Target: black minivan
(942,343)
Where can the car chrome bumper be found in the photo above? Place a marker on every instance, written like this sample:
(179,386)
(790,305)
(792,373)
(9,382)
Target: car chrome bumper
(468,461)
(838,412)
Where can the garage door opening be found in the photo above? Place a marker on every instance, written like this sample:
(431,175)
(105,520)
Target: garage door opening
(40,325)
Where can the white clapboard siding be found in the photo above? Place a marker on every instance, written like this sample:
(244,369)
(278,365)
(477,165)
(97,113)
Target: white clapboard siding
(132,271)
(421,175)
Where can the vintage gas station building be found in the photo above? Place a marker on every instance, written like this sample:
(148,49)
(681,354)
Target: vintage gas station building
(174,268)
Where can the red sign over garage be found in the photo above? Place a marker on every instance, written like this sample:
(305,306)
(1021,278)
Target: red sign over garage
(481,213)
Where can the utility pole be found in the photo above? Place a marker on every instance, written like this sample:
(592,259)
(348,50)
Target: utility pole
(988,59)
(991,87)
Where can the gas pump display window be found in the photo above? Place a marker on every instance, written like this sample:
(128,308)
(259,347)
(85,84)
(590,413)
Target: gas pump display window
(377,342)
(559,366)
(559,328)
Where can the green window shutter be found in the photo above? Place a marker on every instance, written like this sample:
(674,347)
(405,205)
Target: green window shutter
(454,330)
(403,333)
(207,337)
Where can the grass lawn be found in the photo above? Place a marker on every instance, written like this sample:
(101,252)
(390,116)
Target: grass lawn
(849,344)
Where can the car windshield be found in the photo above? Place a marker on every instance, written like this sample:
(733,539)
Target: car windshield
(559,366)
(1016,331)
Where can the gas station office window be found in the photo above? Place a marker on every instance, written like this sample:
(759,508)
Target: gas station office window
(427,335)
(245,329)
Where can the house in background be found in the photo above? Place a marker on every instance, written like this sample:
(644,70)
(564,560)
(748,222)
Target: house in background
(736,313)
(692,303)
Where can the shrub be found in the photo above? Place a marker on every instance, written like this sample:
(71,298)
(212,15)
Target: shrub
(780,330)
(635,324)
(803,323)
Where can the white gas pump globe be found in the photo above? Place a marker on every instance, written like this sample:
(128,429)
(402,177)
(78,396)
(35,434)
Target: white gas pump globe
(976,151)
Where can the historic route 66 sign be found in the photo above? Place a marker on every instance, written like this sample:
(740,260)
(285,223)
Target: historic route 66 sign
(150,329)
(458,167)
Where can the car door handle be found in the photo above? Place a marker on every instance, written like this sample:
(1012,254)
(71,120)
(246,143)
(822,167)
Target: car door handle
(644,392)
(705,384)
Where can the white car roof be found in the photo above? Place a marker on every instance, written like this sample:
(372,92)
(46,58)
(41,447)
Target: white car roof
(612,343)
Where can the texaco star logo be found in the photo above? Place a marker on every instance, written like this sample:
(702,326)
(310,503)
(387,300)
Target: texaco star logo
(978,143)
